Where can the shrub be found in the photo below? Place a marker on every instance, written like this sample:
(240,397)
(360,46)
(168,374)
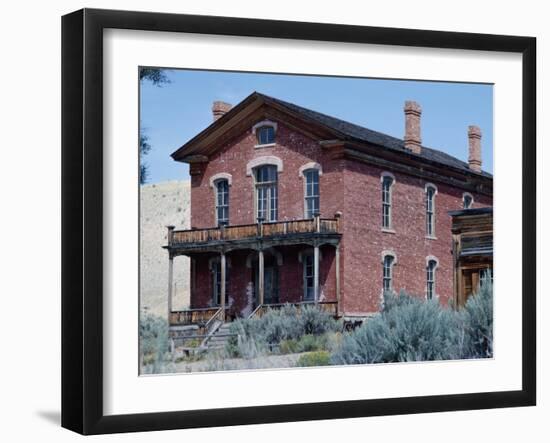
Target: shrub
(478,323)
(314,320)
(317,358)
(411,329)
(153,340)
(284,329)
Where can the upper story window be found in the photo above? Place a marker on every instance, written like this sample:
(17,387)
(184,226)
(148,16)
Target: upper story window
(266,193)
(387,278)
(431,191)
(311,192)
(265,133)
(430,278)
(387,183)
(467,200)
(222,202)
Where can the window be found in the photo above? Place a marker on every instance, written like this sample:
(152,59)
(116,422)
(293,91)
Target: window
(266,193)
(222,202)
(217,283)
(485,277)
(312,192)
(387,183)
(265,135)
(430,279)
(467,201)
(387,272)
(430,210)
(309,293)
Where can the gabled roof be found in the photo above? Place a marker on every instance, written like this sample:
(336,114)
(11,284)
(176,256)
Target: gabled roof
(344,130)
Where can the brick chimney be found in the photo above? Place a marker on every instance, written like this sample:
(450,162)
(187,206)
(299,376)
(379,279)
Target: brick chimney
(219,109)
(474,152)
(413,141)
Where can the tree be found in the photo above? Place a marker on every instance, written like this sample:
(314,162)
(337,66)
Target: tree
(157,77)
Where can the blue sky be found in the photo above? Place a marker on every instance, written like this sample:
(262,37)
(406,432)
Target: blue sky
(177,111)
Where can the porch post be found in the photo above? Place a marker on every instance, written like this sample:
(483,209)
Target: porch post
(261,277)
(337,257)
(316,273)
(169,236)
(170,284)
(222,284)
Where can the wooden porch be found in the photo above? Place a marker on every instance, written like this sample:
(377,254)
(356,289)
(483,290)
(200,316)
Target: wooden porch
(259,237)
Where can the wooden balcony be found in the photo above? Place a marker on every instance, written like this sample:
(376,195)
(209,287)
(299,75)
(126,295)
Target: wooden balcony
(281,232)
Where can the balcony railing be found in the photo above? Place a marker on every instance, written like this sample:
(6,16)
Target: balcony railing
(241,232)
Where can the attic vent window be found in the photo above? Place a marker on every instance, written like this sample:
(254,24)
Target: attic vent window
(265,133)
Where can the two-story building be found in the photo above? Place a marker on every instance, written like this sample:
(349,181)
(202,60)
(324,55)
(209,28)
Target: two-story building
(289,205)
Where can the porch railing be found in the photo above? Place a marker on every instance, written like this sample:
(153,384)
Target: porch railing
(327,306)
(269,229)
(193,316)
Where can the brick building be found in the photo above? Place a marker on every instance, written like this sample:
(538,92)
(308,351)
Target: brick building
(290,205)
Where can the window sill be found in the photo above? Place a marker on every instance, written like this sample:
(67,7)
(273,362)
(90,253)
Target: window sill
(388,230)
(431,237)
(267,145)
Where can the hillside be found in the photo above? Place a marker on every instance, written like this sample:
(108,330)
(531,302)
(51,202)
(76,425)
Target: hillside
(162,204)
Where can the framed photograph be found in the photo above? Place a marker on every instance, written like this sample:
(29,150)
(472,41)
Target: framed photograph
(269,221)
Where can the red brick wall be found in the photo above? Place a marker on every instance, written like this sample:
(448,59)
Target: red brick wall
(295,150)
(241,277)
(364,240)
(348,186)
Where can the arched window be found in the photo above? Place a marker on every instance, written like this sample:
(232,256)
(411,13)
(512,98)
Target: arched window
(311,192)
(387,278)
(467,200)
(430,278)
(222,202)
(387,183)
(431,191)
(266,193)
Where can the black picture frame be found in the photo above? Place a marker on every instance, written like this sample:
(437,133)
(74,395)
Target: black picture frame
(82,219)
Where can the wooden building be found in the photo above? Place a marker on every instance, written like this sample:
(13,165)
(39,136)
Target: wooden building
(472,231)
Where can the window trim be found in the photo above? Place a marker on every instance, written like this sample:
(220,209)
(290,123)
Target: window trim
(430,235)
(262,124)
(262,161)
(269,197)
(464,195)
(393,263)
(302,258)
(216,206)
(432,259)
(303,175)
(383,176)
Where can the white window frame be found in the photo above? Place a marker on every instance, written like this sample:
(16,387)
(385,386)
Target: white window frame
(269,186)
(216,200)
(383,177)
(386,254)
(313,196)
(262,124)
(430,227)
(431,259)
